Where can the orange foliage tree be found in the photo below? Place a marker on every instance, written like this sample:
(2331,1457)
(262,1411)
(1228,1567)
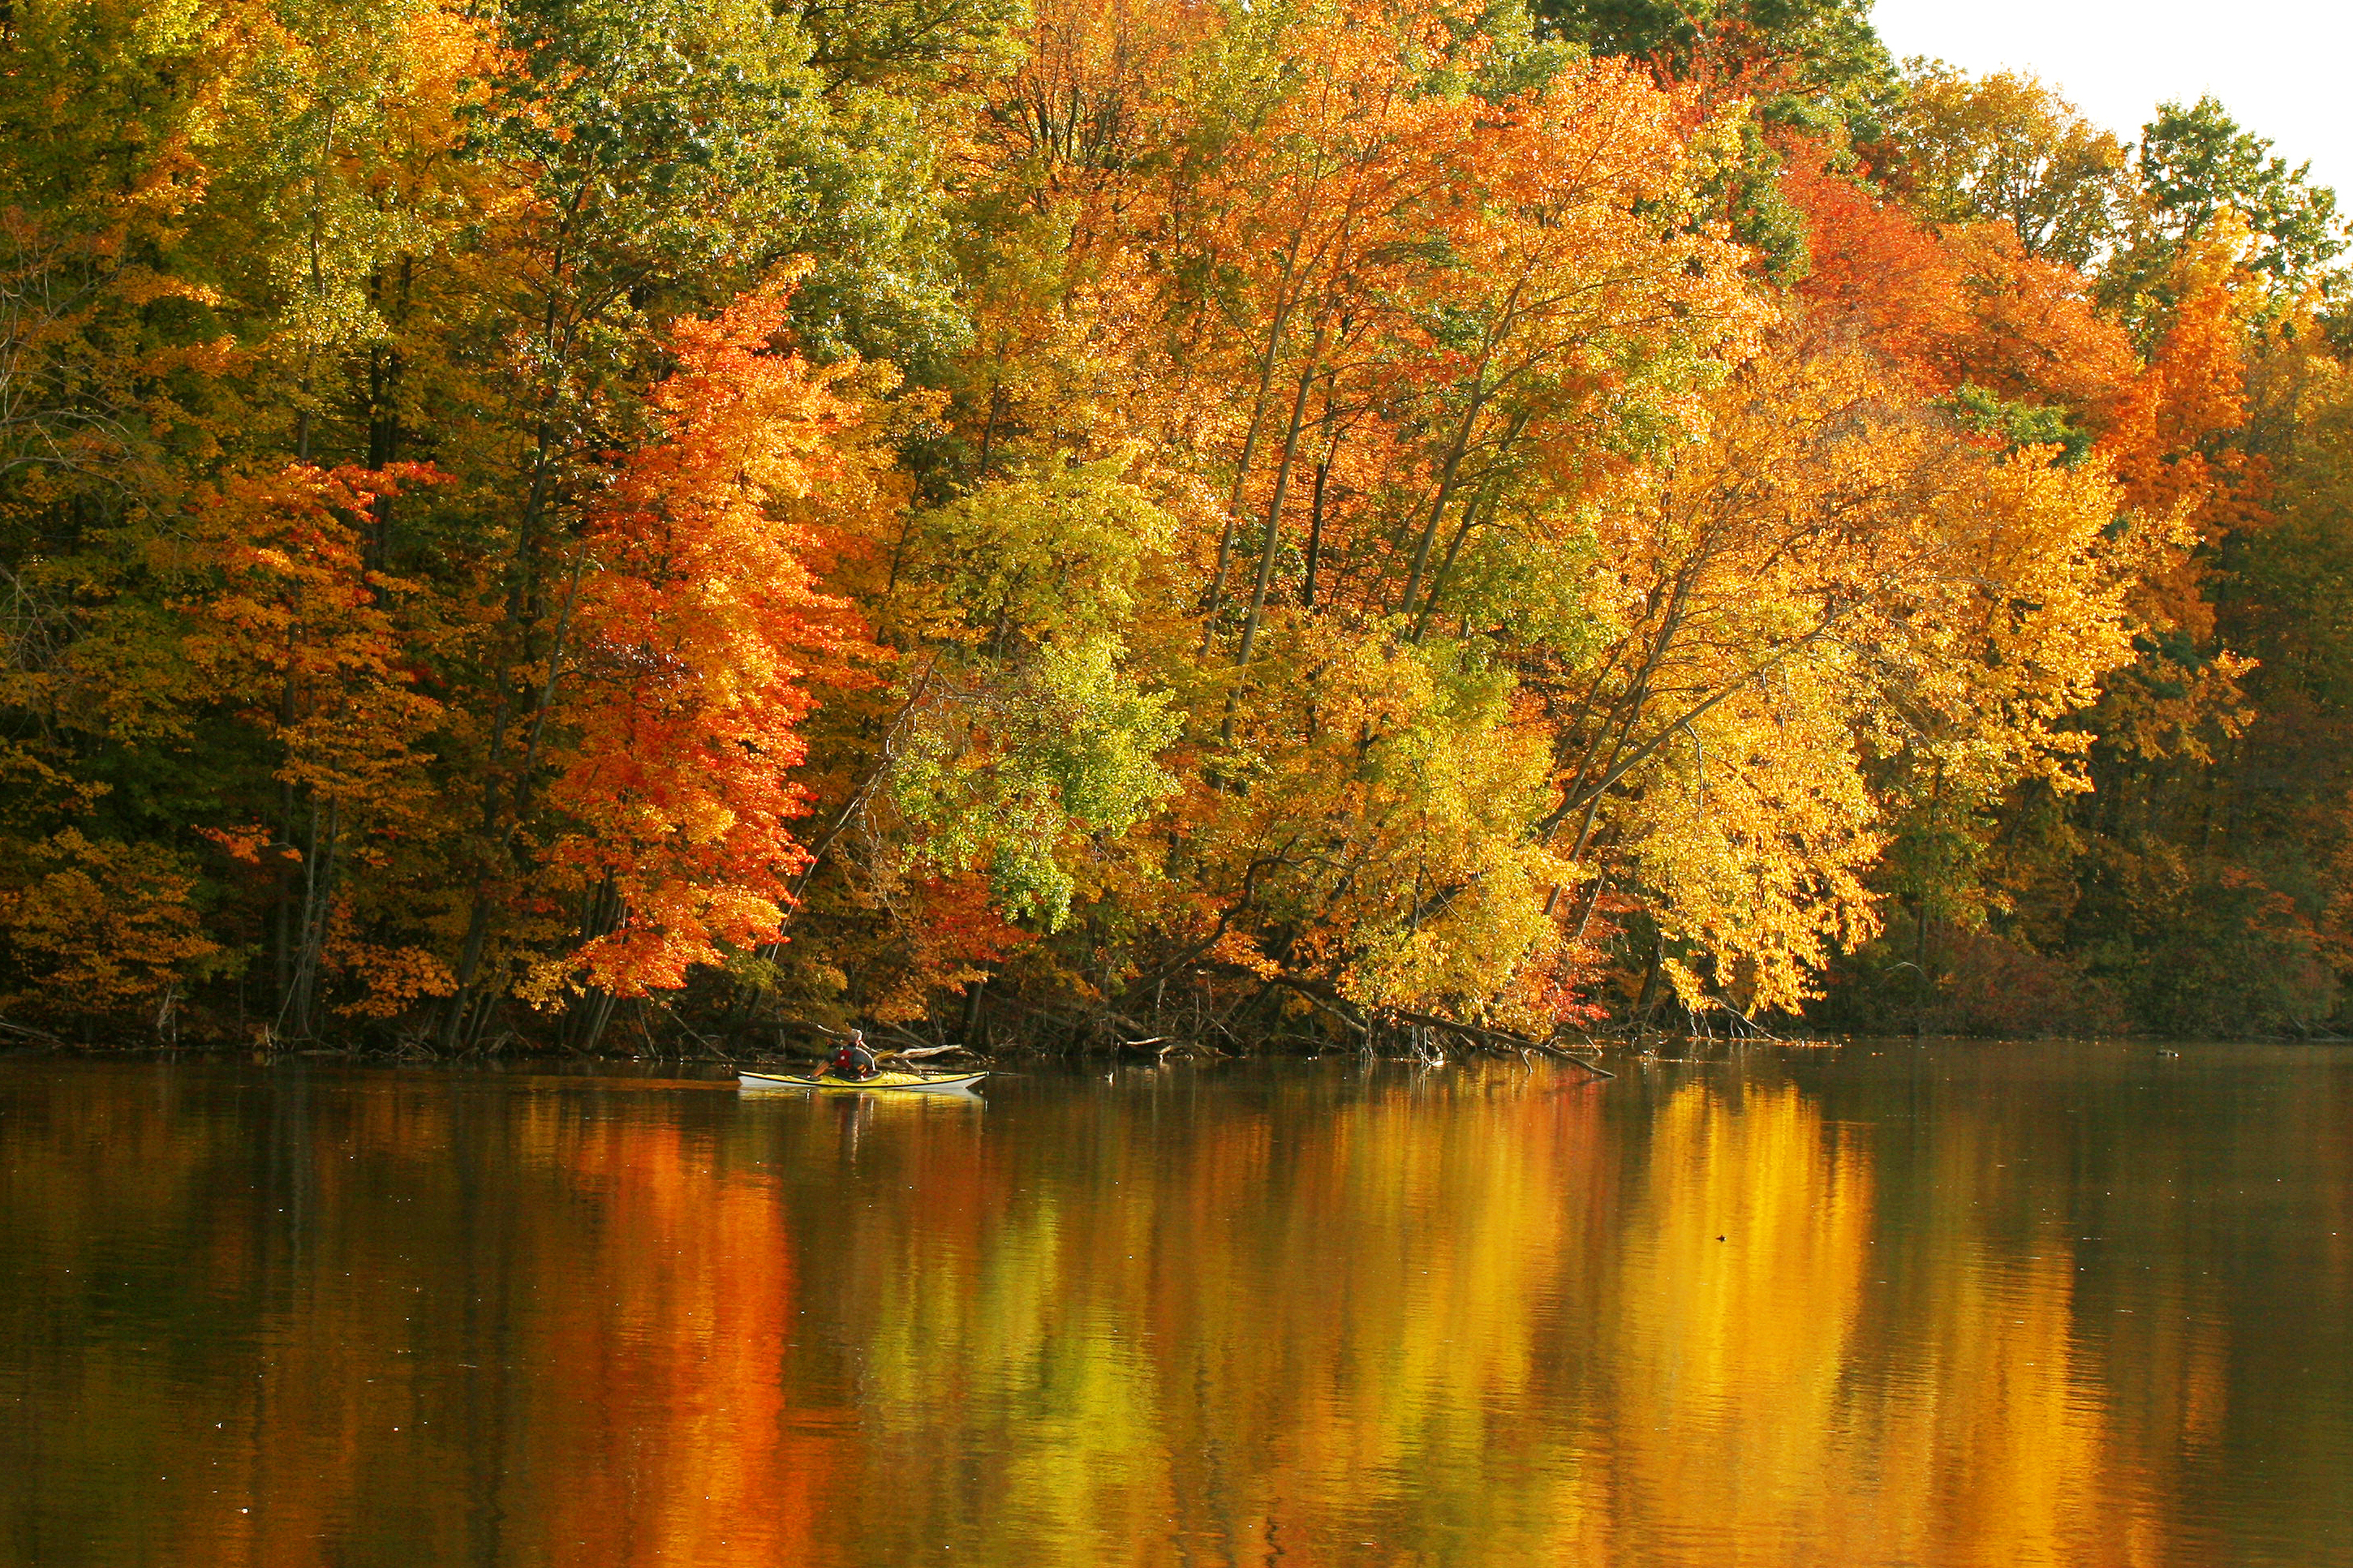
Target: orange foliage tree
(696,623)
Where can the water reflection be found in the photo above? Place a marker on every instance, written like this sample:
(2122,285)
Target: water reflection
(1976,1306)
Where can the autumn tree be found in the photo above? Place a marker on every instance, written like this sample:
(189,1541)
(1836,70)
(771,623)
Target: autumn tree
(692,624)
(2006,148)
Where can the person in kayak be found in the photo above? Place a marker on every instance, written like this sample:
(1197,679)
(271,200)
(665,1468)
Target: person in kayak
(853,1061)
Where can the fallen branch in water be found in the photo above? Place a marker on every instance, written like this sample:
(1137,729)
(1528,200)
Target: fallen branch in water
(916,1053)
(1498,1039)
(1333,1006)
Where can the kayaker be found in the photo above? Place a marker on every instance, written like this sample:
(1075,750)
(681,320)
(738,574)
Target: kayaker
(853,1061)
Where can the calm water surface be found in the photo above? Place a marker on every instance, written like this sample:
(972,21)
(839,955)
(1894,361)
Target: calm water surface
(1959,1305)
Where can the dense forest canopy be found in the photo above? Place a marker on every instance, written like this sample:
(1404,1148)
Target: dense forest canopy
(588,523)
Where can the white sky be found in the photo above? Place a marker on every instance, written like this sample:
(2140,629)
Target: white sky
(2279,67)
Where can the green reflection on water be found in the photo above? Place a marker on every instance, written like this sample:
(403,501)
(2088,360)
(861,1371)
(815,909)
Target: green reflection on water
(1964,1305)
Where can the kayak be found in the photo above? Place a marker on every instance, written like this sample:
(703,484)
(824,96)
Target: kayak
(911,1082)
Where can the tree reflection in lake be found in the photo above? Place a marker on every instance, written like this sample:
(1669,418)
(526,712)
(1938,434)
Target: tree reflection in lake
(1959,1305)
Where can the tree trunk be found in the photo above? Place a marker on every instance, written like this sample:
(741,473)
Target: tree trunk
(1272,543)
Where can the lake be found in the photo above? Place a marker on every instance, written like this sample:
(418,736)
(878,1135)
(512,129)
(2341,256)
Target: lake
(1877,1304)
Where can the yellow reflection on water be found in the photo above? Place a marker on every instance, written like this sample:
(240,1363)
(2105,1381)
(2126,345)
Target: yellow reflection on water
(1731,1318)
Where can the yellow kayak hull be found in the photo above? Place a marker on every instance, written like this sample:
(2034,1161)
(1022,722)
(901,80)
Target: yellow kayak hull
(903,1082)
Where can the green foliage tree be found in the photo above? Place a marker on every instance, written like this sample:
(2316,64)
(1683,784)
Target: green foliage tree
(1820,61)
(2191,167)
